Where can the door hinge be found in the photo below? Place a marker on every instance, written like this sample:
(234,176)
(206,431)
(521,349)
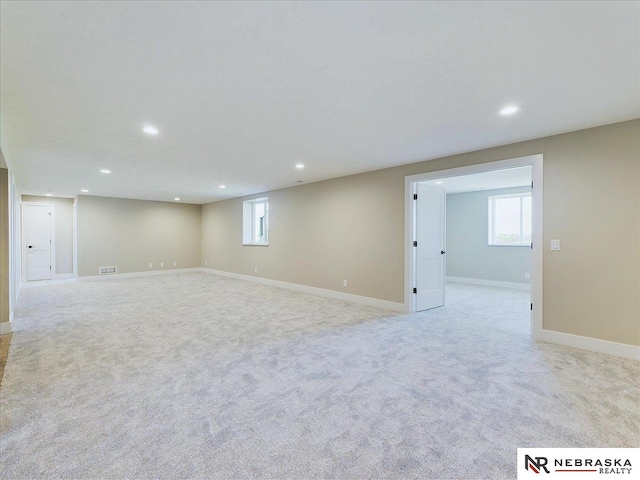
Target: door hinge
(531,184)
(415,243)
(49,267)
(415,290)
(531,245)
(415,196)
(532,307)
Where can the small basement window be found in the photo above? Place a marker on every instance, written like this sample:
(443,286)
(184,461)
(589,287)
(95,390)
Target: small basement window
(510,219)
(255,222)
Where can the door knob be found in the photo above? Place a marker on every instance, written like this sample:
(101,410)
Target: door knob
(30,246)
(442,252)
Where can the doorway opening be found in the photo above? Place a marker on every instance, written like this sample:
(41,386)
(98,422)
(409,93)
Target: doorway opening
(492,213)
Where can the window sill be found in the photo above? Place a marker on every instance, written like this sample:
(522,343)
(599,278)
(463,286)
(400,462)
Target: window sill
(528,245)
(255,244)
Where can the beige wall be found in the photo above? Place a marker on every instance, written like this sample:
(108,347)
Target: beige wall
(130,234)
(4,245)
(319,235)
(64,230)
(353,228)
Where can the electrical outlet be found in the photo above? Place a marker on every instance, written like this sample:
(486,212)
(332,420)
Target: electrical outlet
(344,283)
(162,264)
(206,262)
(151,265)
(526,275)
(175,264)
(255,270)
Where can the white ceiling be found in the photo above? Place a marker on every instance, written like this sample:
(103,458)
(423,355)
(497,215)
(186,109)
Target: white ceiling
(241,91)
(507,178)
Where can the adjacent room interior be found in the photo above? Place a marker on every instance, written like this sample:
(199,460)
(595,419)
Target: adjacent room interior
(316,239)
(488,240)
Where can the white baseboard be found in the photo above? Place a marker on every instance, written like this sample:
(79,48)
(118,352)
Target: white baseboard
(5,327)
(151,273)
(43,283)
(592,344)
(63,276)
(322,292)
(490,283)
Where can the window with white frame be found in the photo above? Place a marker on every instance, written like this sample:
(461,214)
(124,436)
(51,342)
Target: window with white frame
(510,219)
(255,224)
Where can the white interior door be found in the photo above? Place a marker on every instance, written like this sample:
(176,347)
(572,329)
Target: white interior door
(430,248)
(37,241)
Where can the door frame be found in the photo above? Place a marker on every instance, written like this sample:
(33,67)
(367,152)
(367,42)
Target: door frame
(535,161)
(24,237)
(75,237)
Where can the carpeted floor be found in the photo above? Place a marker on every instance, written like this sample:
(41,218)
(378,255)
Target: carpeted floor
(199,376)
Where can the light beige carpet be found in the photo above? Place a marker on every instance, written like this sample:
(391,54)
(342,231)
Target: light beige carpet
(198,376)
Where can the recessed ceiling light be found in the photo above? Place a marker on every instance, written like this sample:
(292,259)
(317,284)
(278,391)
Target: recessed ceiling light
(104,170)
(510,110)
(84,190)
(177,199)
(150,130)
(299,166)
(223,186)
(439,182)
(49,194)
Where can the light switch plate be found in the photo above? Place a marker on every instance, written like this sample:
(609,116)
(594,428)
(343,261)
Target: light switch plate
(555,244)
